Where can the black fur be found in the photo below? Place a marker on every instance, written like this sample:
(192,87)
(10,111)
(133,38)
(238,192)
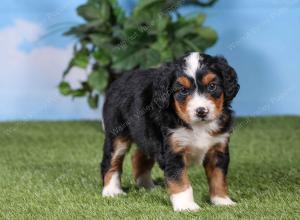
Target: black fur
(220,159)
(223,160)
(140,106)
(230,80)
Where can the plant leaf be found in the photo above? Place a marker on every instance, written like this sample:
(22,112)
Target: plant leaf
(209,35)
(102,57)
(105,11)
(152,58)
(93,100)
(81,59)
(65,88)
(147,5)
(89,12)
(78,93)
(182,32)
(125,59)
(98,79)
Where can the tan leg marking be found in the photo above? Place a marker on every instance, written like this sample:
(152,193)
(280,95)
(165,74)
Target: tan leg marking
(141,166)
(216,178)
(112,178)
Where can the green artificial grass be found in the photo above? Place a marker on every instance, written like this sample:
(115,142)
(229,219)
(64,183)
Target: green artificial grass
(50,170)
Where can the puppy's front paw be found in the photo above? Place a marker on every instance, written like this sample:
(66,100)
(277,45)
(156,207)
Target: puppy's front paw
(190,206)
(220,201)
(112,192)
(184,201)
(113,188)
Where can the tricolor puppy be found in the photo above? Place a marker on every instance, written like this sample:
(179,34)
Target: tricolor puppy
(178,114)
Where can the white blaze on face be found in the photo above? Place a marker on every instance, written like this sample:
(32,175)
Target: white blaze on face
(192,64)
(198,101)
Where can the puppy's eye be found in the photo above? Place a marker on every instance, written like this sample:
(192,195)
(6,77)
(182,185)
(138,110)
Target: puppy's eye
(183,91)
(212,87)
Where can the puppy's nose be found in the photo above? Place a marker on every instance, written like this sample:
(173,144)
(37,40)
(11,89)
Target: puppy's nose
(201,112)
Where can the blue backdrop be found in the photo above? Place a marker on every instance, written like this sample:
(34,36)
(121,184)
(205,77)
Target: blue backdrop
(260,39)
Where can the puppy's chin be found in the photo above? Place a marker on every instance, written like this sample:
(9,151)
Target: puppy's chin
(205,120)
(201,121)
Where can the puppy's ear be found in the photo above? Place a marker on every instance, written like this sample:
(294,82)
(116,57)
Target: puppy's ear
(230,78)
(162,89)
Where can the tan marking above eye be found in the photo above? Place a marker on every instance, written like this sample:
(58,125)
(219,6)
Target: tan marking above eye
(209,77)
(183,80)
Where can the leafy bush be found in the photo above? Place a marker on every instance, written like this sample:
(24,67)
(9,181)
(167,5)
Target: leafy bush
(109,42)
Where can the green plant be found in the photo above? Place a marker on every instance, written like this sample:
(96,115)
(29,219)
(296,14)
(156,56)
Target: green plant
(110,43)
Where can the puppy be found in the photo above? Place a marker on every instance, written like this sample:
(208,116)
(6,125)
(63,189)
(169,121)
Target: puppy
(177,115)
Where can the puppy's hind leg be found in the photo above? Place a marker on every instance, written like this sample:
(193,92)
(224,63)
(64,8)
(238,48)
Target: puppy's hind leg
(141,166)
(111,166)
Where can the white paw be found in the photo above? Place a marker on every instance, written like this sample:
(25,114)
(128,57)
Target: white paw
(226,201)
(190,206)
(112,192)
(113,188)
(184,201)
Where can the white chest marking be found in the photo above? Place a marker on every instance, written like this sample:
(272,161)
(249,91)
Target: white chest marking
(198,139)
